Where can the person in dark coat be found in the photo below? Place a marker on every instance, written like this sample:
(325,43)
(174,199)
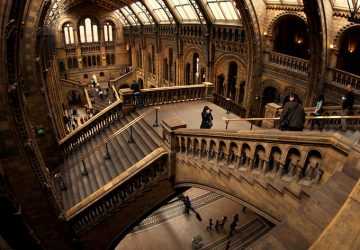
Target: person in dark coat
(135,87)
(347,103)
(293,115)
(206,118)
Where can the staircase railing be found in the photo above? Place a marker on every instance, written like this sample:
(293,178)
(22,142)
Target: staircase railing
(285,157)
(91,127)
(108,199)
(343,78)
(229,104)
(104,142)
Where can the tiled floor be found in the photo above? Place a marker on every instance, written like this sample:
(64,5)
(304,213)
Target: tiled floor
(177,233)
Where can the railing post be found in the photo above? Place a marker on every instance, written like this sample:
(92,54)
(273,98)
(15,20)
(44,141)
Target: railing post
(156,123)
(83,170)
(131,139)
(107,156)
(228,105)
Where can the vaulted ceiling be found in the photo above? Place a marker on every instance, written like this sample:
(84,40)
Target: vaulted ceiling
(148,12)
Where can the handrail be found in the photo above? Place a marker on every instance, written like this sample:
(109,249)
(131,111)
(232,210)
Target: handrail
(119,131)
(227,120)
(63,140)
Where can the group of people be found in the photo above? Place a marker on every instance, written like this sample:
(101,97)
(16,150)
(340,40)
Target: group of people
(292,117)
(219,224)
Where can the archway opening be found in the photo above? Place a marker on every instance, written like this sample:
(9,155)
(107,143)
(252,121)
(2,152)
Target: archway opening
(290,37)
(349,56)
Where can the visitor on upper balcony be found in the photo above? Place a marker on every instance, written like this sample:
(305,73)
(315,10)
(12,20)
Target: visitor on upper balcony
(292,117)
(318,111)
(347,103)
(206,118)
(137,94)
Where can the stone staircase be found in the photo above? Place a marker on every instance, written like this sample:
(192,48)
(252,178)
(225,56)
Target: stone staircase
(243,236)
(99,103)
(309,221)
(95,171)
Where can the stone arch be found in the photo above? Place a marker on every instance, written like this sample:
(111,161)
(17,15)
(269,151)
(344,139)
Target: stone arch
(273,23)
(221,68)
(290,41)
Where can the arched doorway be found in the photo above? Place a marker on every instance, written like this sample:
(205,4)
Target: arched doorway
(349,56)
(269,95)
(220,85)
(232,74)
(187,74)
(74,98)
(291,37)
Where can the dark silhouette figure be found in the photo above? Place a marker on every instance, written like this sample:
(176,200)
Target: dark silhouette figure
(217,224)
(206,118)
(137,94)
(223,221)
(209,227)
(292,117)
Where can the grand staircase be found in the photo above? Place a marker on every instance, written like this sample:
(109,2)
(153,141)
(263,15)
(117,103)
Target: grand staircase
(95,171)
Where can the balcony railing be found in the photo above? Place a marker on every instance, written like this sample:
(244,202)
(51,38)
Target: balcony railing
(290,62)
(89,47)
(166,95)
(343,78)
(230,105)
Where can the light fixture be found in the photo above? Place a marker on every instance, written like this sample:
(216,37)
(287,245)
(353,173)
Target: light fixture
(265,33)
(331,46)
(354,7)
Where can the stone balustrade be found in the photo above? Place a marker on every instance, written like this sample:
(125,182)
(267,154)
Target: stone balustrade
(296,158)
(343,78)
(91,127)
(112,196)
(230,105)
(290,62)
(166,95)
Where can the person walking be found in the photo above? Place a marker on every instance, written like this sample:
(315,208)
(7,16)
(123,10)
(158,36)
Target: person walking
(206,118)
(292,117)
(223,221)
(217,224)
(209,227)
(347,103)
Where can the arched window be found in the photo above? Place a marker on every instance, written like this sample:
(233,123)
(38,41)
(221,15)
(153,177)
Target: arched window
(108,32)
(195,69)
(69,34)
(88,32)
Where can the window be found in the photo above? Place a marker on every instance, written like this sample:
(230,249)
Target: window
(68,34)
(161,13)
(223,9)
(108,32)
(185,10)
(88,32)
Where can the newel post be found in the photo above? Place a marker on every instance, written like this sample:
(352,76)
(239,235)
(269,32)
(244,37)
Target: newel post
(271,110)
(170,140)
(209,91)
(127,97)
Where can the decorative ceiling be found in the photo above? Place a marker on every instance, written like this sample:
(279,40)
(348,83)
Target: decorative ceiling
(150,12)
